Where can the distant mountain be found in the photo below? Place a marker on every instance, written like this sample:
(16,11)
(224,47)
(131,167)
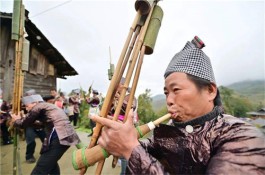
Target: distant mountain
(253,90)
(158,102)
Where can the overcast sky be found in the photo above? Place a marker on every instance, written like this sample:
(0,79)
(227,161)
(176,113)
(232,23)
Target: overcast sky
(83,31)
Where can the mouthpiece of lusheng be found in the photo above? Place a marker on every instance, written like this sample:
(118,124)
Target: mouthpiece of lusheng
(144,129)
(86,157)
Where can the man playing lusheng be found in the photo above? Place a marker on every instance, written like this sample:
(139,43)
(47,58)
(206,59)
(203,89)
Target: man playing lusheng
(200,138)
(60,134)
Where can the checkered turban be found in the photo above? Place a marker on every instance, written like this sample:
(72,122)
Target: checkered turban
(31,99)
(191,60)
(30,92)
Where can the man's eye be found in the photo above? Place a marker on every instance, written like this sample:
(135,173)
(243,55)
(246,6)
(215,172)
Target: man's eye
(176,89)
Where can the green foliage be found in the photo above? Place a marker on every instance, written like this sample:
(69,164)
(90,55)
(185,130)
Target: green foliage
(251,89)
(145,110)
(84,120)
(233,103)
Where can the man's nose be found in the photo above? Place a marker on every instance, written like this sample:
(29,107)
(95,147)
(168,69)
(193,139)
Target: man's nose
(170,100)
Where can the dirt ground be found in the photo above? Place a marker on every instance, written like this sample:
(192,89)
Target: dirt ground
(65,162)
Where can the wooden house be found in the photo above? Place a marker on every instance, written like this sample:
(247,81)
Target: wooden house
(45,64)
(257,114)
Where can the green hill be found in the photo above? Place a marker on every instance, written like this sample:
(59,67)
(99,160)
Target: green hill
(253,90)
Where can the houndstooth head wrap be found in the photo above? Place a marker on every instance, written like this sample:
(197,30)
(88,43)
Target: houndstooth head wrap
(30,92)
(191,60)
(31,99)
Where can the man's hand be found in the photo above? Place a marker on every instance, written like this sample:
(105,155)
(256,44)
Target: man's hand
(15,117)
(119,139)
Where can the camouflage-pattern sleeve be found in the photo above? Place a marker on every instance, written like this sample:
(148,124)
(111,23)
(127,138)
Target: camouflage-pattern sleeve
(240,149)
(142,162)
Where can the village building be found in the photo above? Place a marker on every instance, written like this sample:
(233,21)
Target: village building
(45,62)
(257,114)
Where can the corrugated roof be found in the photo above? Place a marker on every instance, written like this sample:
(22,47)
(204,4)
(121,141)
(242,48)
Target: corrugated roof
(259,112)
(44,45)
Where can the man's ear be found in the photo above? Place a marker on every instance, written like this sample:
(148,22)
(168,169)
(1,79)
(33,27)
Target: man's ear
(212,89)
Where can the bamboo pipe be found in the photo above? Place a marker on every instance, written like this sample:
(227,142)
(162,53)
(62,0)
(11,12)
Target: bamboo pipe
(18,80)
(129,74)
(128,77)
(137,31)
(132,63)
(86,157)
(113,84)
(135,82)
(112,88)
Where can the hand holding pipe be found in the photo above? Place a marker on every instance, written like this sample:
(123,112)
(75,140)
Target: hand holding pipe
(85,157)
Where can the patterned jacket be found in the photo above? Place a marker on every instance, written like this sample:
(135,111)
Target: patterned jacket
(218,144)
(52,117)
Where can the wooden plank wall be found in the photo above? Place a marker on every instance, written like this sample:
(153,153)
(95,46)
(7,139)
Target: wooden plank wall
(40,83)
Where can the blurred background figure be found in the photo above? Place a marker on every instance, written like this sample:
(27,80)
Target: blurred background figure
(4,117)
(33,130)
(94,103)
(75,101)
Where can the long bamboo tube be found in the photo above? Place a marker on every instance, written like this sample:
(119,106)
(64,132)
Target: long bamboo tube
(132,64)
(18,83)
(133,89)
(113,84)
(129,73)
(135,82)
(112,89)
(137,31)
(86,157)
(120,72)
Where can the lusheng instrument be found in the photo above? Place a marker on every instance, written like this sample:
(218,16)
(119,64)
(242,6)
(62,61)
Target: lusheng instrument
(86,157)
(140,41)
(17,35)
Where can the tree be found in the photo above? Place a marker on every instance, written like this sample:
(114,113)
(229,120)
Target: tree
(234,104)
(145,110)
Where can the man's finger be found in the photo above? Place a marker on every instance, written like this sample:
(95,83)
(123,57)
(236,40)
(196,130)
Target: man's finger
(129,120)
(104,121)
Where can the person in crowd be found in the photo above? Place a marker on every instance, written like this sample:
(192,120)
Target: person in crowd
(71,112)
(58,101)
(94,102)
(33,130)
(49,99)
(200,138)
(60,134)
(76,103)
(54,93)
(4,117)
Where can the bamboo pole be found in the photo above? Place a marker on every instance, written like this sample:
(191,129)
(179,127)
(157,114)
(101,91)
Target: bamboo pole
(113,84)
(135,82)
(18,83)
(128,75)
(128,78)
(112,89)
(132,63)
(118,74)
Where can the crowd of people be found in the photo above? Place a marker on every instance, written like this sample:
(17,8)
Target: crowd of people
(49,118)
